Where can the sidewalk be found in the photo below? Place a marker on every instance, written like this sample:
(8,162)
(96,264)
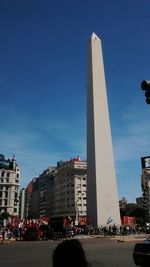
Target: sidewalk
(130,238)
(119,238)
(126,238)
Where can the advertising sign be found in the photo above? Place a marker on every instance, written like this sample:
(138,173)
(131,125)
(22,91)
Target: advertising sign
(82,220)
(131,221)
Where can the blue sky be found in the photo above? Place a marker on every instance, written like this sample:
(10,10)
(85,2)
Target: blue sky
(43,82)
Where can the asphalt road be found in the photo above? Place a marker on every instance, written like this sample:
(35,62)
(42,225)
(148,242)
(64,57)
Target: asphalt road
(99,252)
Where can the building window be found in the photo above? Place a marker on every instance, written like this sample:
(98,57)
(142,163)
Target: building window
(1,193)
(15,195)
(15,209)
(2,174)
(8,174)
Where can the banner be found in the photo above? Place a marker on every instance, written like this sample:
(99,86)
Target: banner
(131,221)
(82,220)
(109,220)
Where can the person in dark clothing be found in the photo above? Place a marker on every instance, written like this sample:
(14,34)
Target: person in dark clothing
(69,253)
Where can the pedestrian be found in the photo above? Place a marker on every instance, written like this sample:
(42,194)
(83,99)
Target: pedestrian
(4,236)
(69,253)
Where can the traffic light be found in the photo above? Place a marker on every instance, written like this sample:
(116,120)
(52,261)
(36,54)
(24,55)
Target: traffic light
(145,85)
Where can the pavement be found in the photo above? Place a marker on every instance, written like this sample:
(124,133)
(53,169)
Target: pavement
(131,238)
(119,238)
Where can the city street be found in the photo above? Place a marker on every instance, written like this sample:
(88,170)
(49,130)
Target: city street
(99,252)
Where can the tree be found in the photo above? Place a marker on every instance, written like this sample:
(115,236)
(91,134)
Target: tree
(133,210)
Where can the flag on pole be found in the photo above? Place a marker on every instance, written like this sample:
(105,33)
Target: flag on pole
(109,220)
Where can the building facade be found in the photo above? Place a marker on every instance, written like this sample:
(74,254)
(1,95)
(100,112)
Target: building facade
(35,199)
(122,203)
(145,184)
(139,202)
(9,185)
(28,195)
(59,192)
(44,192)
(68,191)
(22,203)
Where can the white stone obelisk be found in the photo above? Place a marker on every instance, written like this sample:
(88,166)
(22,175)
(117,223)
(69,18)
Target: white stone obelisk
(102,196)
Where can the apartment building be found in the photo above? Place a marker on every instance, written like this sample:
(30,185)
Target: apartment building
(35,199)
(122,203)
(45,191)
(28,199)
(145,184)
(68,190)
(22,203)
(139,202)
(9,185)
(59,192)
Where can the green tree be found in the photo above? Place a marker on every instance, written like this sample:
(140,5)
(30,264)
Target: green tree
(133,210)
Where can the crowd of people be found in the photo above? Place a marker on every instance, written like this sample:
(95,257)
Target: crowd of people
(115,230)
(43,230)
(20,228)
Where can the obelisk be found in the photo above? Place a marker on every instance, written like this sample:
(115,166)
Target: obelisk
(102,196)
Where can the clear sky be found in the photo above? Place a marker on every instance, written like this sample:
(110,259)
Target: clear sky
(43,82)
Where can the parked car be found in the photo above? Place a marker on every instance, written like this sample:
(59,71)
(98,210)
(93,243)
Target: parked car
(68,233)
(141,253)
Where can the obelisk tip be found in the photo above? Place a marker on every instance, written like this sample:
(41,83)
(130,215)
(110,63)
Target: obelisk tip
(94,36)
